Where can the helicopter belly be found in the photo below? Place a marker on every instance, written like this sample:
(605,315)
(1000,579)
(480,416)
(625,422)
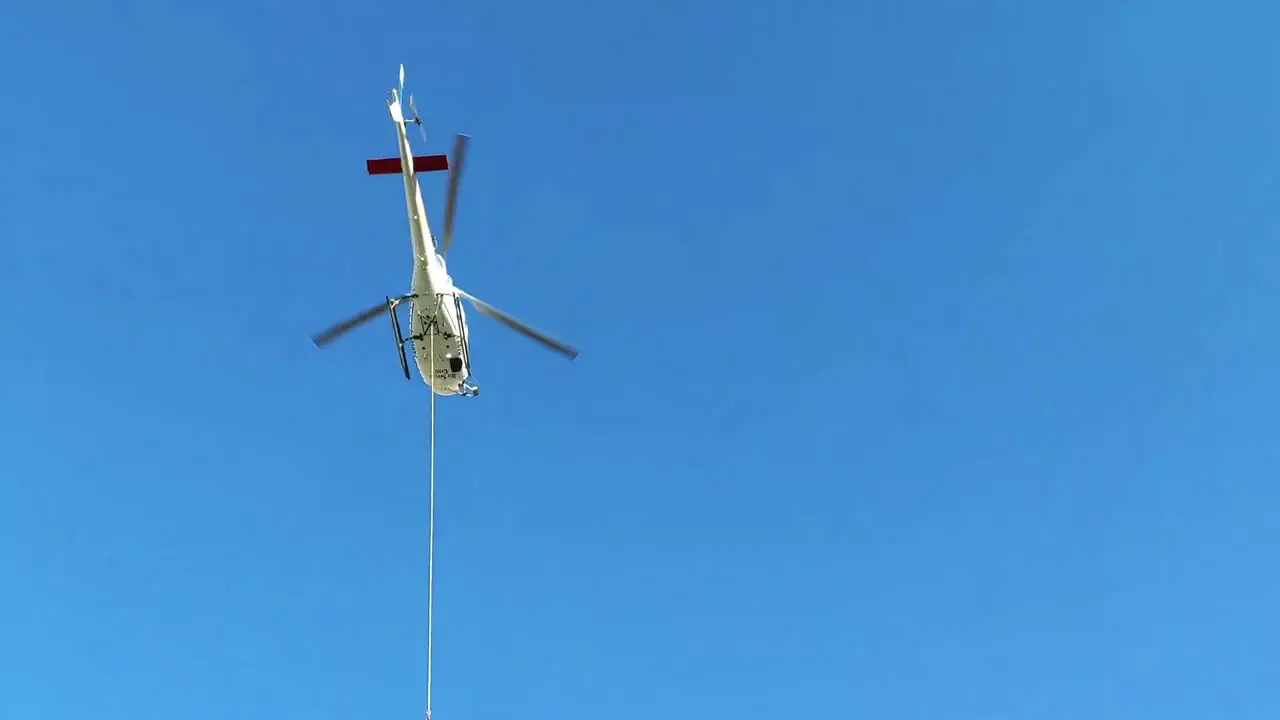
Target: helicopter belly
(438,347)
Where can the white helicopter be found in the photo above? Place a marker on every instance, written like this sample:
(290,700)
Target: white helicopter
(439,324)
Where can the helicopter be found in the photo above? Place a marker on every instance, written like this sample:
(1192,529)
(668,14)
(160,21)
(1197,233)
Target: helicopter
(438,331)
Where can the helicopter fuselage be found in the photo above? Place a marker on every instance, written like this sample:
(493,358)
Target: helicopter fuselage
(439,326)
(439,330)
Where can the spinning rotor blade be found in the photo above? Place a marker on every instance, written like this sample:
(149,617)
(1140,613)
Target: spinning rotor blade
(456,164)
(333,333)
(493,312)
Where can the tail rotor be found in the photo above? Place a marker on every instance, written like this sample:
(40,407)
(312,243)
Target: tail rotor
(417,119)
(413,108)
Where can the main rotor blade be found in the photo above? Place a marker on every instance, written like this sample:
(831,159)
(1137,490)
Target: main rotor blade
(333,333)
(456,164)
(529,332)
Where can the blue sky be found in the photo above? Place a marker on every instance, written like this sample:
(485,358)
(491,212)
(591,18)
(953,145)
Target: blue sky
(929,357)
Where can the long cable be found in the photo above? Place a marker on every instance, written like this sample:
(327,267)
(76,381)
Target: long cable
(431,532)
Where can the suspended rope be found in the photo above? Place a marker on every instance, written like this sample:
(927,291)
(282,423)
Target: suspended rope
(431,525)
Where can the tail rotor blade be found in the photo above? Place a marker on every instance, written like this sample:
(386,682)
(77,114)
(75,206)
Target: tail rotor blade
(529,332)
(456,165)
(417,119)
(336,331)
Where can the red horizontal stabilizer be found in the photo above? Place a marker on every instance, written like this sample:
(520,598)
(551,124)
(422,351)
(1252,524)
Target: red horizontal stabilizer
(421,164)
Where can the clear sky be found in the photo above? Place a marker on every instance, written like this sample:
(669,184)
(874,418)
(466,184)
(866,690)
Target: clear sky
(929,361)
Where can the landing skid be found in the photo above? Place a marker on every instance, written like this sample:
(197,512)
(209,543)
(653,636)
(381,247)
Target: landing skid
(401,340)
